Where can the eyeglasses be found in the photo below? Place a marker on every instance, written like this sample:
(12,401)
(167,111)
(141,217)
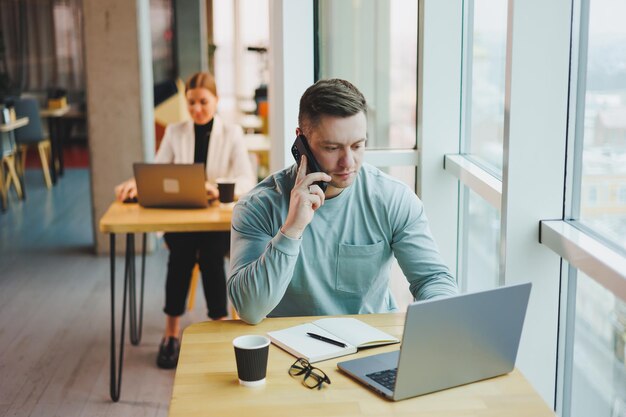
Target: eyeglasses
(313,377)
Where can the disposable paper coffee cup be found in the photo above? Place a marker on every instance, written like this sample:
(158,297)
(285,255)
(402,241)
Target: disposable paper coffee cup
(226,188)
(251,353)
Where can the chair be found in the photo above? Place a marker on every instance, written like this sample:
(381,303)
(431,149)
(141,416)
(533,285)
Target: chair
(12,177)
(3,189)
(33,135)
(7,154)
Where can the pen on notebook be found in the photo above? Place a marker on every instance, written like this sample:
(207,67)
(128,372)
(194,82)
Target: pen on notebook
(327,340)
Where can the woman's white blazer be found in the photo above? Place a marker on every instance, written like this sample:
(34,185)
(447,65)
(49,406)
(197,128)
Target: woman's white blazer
(227,154)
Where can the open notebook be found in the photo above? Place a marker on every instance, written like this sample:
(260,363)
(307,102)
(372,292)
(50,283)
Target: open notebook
(354,333)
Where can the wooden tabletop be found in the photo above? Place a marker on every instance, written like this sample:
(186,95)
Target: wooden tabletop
(60,112)
(206,382)
(132,218)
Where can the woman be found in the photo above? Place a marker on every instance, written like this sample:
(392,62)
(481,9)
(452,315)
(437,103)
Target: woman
(220,147)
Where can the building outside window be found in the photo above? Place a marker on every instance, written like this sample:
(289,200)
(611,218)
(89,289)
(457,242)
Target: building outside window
(598,373)
(484,68)
(482,135)
(603,112)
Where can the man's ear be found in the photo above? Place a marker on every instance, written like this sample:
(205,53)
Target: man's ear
(298,131)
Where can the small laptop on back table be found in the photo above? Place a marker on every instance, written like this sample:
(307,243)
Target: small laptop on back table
(170,185)
(448,342)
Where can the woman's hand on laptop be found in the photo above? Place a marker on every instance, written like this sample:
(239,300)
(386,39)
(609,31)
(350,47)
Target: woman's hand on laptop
(211,190)
(126,190)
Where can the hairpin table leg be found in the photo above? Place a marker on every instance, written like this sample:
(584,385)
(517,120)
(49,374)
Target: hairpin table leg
(116,377)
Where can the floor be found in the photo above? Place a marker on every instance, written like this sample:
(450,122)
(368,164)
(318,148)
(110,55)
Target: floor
(55,312)
(75,155)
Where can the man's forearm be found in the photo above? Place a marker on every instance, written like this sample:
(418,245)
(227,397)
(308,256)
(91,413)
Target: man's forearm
(439,285)
(257,287)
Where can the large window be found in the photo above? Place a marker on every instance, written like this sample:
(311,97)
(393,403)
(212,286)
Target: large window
(241,37)
(42,44)
(602,111)
(542,137)
(595,371)
(485,46)
(373,44)
(483,94)
(598,382)
(479,267)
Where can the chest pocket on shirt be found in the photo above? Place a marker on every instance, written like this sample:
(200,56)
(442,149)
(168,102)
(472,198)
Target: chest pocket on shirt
(358,266)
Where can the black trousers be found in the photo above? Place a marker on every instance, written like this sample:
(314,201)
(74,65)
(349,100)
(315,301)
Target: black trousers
(208,250)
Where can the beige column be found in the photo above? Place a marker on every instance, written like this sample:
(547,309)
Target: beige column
(119,97)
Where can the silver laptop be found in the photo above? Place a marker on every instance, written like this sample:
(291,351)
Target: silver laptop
(448,342)
(170,185)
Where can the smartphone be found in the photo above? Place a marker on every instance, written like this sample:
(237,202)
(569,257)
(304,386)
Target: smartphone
(301,147)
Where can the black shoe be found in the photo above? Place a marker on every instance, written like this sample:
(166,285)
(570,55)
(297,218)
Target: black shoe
(168,353)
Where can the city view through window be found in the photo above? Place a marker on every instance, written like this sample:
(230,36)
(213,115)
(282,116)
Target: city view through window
(599,370)
(603,183)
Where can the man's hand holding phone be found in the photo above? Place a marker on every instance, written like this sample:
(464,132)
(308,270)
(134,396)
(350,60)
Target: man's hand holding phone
(306,197)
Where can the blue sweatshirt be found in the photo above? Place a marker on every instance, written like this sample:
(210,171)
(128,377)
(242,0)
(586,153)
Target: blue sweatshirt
(341,264)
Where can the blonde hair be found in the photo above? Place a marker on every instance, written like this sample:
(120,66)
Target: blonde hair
(201,80)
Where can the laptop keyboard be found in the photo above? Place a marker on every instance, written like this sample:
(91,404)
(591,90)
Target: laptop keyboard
(385,378)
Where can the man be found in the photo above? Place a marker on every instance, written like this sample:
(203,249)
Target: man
(297,250)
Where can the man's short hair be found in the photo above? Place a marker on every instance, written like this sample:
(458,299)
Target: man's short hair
(334,97)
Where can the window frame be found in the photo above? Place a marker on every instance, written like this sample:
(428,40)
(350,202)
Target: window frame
(538,33)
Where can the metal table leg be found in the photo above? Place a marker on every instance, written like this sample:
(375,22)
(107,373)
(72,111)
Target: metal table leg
(129,272)
(116,377)
(54,146)
(143,282)
(61,136)
(135,327)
